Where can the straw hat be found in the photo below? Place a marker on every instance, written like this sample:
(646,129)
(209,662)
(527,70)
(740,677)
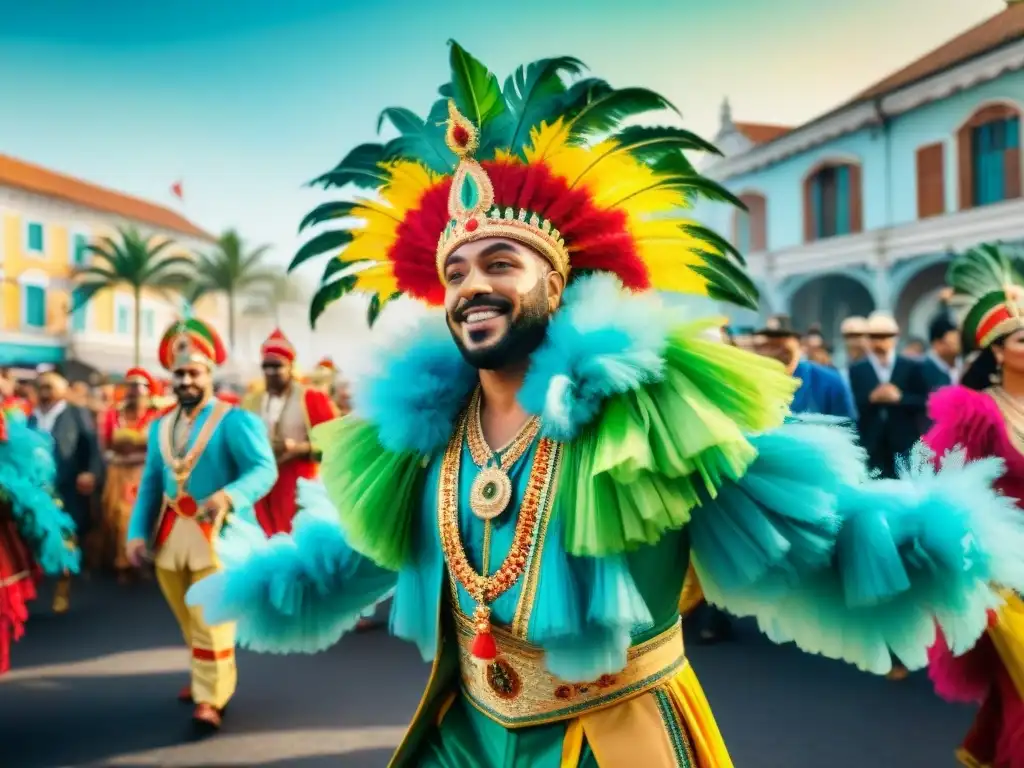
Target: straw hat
(854,326)
(882,324)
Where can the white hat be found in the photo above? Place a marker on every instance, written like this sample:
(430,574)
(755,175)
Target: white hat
(854,326)
(882,324)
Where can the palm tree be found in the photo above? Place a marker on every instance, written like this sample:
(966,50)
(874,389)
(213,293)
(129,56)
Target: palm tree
(269,298)
(135,261)
(232,271)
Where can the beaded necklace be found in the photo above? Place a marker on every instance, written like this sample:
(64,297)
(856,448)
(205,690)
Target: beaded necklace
(484,588)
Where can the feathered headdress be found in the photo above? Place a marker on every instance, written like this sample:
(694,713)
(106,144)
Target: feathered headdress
(544,160)
(987,282)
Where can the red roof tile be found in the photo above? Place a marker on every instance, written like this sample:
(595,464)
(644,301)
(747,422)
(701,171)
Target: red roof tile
(1005,27)
(759,133)
(41,181)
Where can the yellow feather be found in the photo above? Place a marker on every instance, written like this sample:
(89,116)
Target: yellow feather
(547,141)
(379,278)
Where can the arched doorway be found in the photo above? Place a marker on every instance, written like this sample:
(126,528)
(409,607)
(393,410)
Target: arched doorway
(919,300)
(828,300)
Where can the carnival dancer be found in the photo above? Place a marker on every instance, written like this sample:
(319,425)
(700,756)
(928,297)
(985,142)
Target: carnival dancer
(985,415)
(535,491)
(208,462)
(124,431)
(289,412)
(36,535)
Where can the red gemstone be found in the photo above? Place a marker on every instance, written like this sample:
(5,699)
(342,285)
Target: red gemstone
(471,225)
(461,135)
(484,646)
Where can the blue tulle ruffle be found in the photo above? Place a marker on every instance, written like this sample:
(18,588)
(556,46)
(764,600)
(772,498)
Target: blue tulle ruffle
(292,594)
(27,473)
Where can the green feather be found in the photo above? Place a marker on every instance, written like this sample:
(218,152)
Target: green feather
(337,209)
(361,167)
(712,238)
(593,108)
(327,295)
(377,304)
(727,281)
(333,267)
(325,241)
(687,185)
(420,140)
(986,268)
(534,94)
(475,89)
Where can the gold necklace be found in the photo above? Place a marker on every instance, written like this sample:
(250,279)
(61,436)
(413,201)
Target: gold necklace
(1013,415)
(492,488)
(482,588)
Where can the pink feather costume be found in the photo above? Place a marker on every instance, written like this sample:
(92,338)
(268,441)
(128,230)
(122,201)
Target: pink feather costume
(972,420)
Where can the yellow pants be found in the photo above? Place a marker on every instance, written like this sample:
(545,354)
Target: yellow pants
(214,675)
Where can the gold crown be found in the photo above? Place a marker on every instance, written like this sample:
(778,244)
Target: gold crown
(474,214)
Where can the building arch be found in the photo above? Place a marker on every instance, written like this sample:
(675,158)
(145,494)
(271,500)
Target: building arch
(826,299)
(917,288)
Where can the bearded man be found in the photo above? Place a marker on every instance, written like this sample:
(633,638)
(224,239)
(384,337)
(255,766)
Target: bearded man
(530,471)
(208,462)
(289,411)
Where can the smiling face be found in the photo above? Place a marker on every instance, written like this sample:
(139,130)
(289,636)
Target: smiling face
(192,384)
(1010,353)
(499,296)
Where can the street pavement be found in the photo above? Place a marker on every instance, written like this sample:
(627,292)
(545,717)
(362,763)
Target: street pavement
(97,686)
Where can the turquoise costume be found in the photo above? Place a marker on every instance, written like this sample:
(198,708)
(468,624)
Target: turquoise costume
(36,534)
(237,459)
(553,627)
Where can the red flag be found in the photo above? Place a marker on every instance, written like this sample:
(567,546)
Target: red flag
(177,190)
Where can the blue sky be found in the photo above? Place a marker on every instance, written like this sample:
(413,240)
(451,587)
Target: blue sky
(245,101)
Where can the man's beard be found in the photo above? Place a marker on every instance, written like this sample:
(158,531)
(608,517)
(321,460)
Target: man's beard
(524,334)
(189,397)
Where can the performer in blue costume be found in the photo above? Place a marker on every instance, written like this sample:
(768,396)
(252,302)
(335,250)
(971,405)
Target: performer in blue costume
(36,535)
(208,462)
(533,469)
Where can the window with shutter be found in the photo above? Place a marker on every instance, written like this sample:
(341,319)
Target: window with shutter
(931,181)
(989,160)
(750,226)
(80,315)
(34,238)
(35,306)
(832,201)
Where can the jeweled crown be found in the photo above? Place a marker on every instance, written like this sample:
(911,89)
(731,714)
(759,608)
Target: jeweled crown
(475,214)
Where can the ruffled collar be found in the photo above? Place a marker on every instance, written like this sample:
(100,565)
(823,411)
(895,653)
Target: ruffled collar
(602,342)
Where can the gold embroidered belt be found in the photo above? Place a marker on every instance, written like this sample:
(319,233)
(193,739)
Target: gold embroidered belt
(517,690)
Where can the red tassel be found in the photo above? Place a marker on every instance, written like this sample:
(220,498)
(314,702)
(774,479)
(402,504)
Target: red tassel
(484,647)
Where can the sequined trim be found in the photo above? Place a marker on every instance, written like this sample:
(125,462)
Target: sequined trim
(676,730)
(543,698)
(528,594)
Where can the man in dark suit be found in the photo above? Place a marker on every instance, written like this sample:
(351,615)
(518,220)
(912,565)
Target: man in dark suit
(890,393)
(941,362)
(78,458)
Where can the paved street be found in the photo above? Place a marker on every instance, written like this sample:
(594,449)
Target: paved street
(96,688)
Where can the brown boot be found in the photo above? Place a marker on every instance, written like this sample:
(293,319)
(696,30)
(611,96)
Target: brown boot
(185,694)
(207,717)
(62,595)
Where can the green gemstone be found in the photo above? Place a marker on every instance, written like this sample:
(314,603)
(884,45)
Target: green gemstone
(469,194)
(490,491)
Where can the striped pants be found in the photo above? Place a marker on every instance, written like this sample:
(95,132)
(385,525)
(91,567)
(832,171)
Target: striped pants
(214,675)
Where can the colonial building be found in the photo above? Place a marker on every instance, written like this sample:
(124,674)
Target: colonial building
(46,221)
(861,208)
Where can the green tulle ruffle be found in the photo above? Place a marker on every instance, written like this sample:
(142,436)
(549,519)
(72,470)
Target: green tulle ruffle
(640,469)
(374,489)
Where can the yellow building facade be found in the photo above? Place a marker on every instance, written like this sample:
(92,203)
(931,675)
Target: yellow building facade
(47,220)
